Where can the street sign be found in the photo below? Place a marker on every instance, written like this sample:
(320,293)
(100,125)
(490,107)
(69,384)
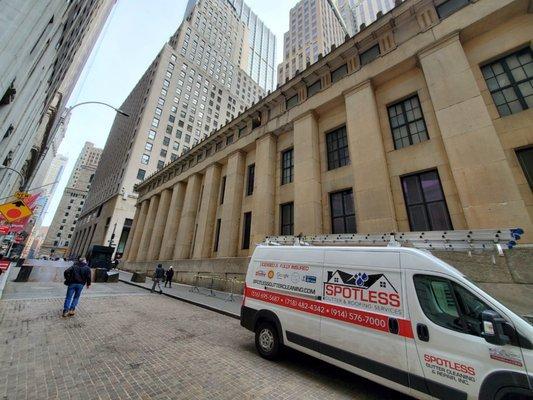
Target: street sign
(22,195)
(15,210)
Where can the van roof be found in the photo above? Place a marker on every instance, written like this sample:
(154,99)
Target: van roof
(411,258)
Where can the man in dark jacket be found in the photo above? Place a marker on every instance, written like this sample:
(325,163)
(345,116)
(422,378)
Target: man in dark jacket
(76,276)
(170,275)
(158,275)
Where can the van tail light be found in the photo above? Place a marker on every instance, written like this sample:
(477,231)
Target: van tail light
(244,295)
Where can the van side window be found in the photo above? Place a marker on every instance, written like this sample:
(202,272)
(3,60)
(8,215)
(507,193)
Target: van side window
(449,305)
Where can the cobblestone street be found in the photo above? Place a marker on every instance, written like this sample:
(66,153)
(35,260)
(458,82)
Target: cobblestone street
(125,343)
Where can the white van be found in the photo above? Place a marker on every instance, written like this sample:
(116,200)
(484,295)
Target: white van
(398,316)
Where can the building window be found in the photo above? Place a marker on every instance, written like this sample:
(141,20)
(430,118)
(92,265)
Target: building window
(339,73)
(160,164)
(155,122)
(287,166)
(246,230)
(407,123)
(424,199)
(250,180)
(163,153)
(287,219)
(166,141)
(145,158)
(148,146)
(449,7)
(337,147)
(229,140)
(151,134)
(222,189)
(369,55)
(291,102)
(217,235)
(525,157)
(342,212)
(510,82)
(314,88)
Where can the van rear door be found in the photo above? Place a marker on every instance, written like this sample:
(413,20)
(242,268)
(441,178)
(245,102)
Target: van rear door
(455,359)
(364,324)
(286,281)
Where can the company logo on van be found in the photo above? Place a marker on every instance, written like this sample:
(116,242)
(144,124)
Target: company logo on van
(260,272)
(363,290)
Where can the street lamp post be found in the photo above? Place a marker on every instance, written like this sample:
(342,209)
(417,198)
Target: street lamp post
(67,111)
(18,172)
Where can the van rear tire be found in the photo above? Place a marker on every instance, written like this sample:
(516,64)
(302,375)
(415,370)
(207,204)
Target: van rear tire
(267,341)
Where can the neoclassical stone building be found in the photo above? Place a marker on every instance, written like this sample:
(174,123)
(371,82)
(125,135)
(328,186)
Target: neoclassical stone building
(421,121)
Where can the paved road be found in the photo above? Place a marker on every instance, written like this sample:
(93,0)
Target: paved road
(128,344)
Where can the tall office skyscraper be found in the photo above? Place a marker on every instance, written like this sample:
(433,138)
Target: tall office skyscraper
(262,42)
(67,213)
(196,84)
(366,11)
(48,185)
(313,29)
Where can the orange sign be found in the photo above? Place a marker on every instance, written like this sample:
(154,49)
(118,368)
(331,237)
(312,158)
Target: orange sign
(15,210)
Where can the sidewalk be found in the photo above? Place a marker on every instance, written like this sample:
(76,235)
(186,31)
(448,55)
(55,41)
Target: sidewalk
(220,302)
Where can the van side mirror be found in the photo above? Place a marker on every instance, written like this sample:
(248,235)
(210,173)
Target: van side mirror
(493,328)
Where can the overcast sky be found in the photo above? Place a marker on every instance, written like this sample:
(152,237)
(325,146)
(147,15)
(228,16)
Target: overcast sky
(135,32)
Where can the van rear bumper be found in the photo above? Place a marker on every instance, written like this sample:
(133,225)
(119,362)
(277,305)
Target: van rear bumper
(248,317)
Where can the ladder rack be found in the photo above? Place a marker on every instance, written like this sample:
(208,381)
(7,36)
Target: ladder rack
(461,240)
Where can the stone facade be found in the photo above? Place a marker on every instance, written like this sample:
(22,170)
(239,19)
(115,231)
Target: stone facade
(346,170)
(44,47)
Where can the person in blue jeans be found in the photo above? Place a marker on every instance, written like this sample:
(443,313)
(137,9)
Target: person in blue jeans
(76,277)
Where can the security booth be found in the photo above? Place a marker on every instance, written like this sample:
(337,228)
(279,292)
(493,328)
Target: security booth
(100,256)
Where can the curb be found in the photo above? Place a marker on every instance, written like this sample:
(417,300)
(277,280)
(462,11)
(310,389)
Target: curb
(3,279)
(207,307)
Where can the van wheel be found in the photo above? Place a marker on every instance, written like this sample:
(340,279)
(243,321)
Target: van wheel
(267,341)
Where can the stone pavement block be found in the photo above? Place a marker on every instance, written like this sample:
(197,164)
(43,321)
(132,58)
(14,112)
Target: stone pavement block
(136,345)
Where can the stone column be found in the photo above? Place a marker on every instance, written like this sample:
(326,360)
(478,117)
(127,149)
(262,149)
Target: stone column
(487,190)
(142,254)
(126,254)
(264,189)
(228,244)
(159,225)
(188,218)
(172,222)
(137,233)
(203,243)
(307,184)
(374,205)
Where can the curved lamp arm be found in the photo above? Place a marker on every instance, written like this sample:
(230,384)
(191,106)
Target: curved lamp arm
(14,170)
(118,110)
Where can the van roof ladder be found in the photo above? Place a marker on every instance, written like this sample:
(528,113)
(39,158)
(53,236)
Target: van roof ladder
(460,240)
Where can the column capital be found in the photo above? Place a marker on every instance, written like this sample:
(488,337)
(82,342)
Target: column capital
(358,87)
(236,152)
(266,136)
(305,115)
(439,44)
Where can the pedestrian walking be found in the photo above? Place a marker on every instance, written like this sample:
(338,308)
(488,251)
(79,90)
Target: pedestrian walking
(158,275)
(170,275)
(76,277)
